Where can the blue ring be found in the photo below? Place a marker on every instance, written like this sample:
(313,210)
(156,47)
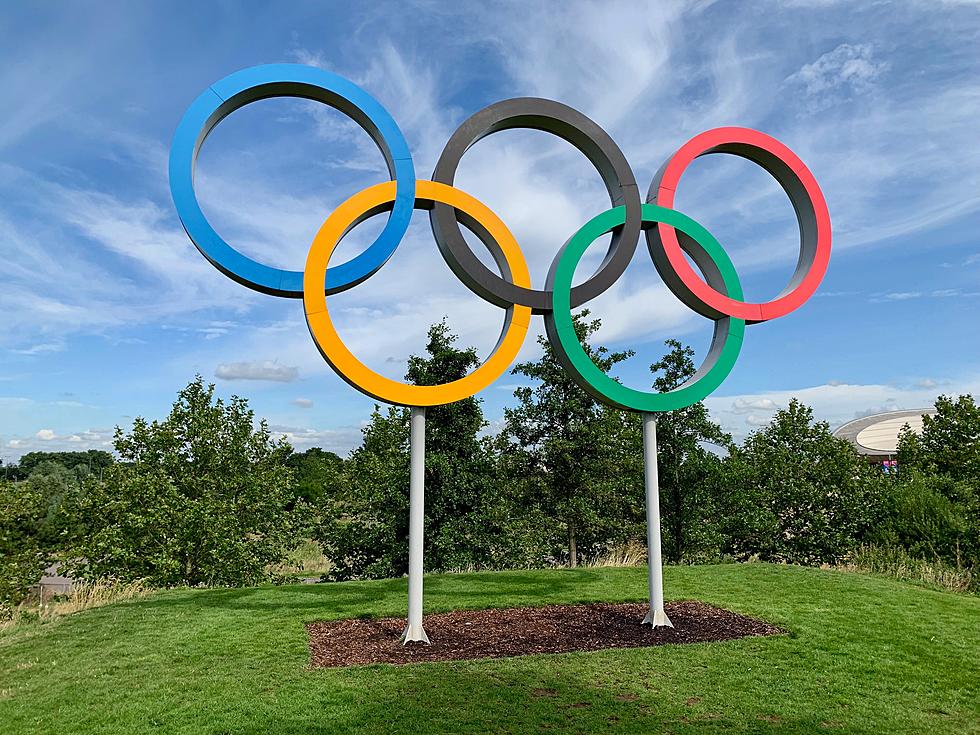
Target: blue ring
(288,80)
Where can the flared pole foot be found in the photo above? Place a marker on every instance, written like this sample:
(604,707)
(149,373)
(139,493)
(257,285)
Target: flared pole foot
(414,634)
(657,619)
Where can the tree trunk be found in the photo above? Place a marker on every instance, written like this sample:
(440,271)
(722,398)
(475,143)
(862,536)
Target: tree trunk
(572,551)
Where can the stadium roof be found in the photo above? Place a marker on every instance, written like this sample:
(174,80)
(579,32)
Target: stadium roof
(877,436)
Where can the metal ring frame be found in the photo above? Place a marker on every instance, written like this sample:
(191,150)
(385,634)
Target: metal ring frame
(716,293)
(287,80)
(602,152)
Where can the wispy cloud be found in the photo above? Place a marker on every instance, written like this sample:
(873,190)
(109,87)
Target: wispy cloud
(40,349)
(851,68)
(266,370)
(91,244)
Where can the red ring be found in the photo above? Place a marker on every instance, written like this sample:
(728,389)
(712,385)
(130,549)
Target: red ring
(717,140)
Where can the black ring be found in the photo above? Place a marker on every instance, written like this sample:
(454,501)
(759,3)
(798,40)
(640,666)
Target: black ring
(574,127)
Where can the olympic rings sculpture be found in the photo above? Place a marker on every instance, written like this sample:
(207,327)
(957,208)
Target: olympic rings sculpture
(672,237)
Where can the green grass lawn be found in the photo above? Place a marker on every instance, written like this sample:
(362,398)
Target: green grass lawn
(864,655)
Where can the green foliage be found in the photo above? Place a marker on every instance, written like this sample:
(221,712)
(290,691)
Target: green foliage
(798,494)
(57,485)
(33,523)
(460,467)
(87,462)
(364,527)
(949,444)
(690,476)
(921,517)
(468,522)
(200,498)
(935,507)
(318,474)
(24,553)
(563,443)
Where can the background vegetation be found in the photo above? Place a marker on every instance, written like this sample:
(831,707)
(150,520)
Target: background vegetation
(206,496)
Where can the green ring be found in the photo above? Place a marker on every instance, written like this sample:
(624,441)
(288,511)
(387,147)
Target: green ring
(727,340)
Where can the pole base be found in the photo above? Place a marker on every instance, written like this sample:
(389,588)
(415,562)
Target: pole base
(414,634)
(657,619)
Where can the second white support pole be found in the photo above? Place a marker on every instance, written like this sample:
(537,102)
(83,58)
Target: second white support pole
(416,522)
(656,616)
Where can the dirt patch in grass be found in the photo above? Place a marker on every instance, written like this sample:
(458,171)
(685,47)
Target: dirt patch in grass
(495,633)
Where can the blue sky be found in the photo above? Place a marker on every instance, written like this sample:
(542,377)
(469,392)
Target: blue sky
(106,309)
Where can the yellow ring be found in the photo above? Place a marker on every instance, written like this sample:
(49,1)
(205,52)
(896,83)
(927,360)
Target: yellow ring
(355,372)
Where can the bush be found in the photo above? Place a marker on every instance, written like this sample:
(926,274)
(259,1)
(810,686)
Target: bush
(23,553)
(921,517)
(797,494)
(200,498)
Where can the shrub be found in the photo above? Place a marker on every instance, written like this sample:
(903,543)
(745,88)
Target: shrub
(798,494)
(23,554)
(200,498)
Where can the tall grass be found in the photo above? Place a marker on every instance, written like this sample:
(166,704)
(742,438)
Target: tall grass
(892,561)
(83,596)
(630,554)
(306,560)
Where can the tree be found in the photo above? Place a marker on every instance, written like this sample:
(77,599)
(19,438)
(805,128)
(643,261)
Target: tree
(24,550)
(461,487)
(689,473)
(930,517)
(365,531)
(203,497)
(364,527)
(91,461)
(560,440)
(797,493)
(318,474)
(934,508)
(949,443)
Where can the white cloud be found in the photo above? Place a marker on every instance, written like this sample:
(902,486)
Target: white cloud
(48,440)
(340,439)
(747,405)
(79,260)
(302,402)
(265,370)
(849,66)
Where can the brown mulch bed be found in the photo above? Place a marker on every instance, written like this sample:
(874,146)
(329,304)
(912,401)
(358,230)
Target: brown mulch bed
(469,634)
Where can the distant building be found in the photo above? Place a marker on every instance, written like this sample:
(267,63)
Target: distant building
(53,583)
(876,437)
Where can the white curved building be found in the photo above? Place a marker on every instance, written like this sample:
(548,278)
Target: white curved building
(876,436)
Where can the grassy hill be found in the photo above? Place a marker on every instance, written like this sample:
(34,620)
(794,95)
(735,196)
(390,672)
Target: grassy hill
(864,655)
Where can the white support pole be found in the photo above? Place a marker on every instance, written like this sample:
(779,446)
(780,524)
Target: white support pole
(416,519)
(656,616)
